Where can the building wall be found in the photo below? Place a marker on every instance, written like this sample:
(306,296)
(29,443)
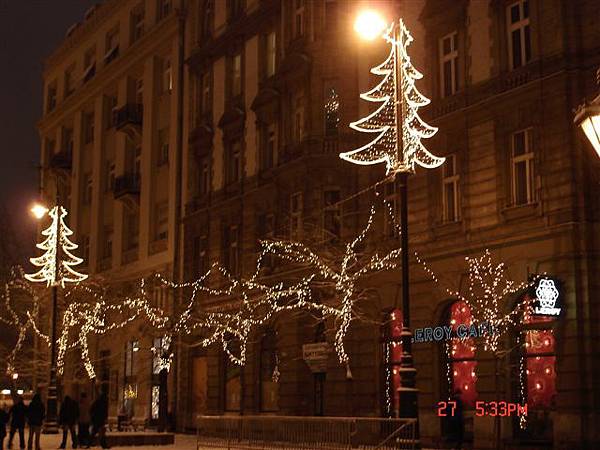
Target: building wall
(553,233)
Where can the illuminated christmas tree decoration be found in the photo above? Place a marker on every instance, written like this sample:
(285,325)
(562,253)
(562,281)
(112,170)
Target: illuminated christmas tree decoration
(396,122)
(56,264)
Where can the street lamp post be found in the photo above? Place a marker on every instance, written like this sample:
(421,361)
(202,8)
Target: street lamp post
(56,269)
(399,131)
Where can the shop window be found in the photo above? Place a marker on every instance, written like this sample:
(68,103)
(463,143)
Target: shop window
(392,351)
(461,362)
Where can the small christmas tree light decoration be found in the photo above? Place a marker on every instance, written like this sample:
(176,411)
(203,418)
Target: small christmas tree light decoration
(397,124)
(56,264)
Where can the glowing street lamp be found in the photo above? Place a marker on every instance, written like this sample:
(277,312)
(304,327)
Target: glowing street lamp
(587,117)
(369,25)
(39,211)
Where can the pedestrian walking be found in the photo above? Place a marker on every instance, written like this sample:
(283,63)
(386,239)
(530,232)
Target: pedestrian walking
(3,422)
(17,412)
(68,417)
(35,417)
(99,415)
(84,421)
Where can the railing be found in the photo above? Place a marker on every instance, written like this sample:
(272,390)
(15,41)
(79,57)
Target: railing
(294,432)
(127,184)
(61,160)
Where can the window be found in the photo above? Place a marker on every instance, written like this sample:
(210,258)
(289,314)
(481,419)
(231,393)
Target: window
(111,45)
(208,19)
(461,361)
(234,9)
(85,248)
(298,118)
(161,225)
(111,106)
(298,24)
(131,350)
(67,137)
(139,91)
(69,80)
(232,249)
(523,191)
(137,23)
(270,54)
(204,177)
(448,65)
(88,128)
(110,177)
(200,256)
(164,8)
(89,64)
(332,225)
(266,232)
(296,207)
(161,346)
(51,96)
(87,188)
(50,147)
(163,146)
(332,116)
(155,405)
(269,372)
(167,76)
(236,75)
(450,187)
(233,381)
(204,95)
(392,351)
(269,146)
(519,37)
(107,244)
(132,230)
(234,162)
(391,203)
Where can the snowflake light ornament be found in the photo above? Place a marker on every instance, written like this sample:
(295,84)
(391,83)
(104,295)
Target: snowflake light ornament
(547,294)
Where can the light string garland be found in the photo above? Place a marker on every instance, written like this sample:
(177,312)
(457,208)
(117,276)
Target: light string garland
(400,100)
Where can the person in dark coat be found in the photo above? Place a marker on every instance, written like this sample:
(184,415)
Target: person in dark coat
(3,421)
(99,415)
(84,420)
(68,417)
(17,412)
(35,417)
(457,420)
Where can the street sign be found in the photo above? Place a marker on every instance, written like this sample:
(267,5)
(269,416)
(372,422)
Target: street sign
(316,356)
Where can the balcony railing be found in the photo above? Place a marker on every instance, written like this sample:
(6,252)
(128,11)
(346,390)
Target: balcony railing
(129,117)
(61,160)
(128,184)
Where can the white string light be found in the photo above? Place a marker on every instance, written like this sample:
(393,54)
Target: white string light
(400,99)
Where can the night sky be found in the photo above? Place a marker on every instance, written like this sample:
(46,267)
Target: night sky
(29,31)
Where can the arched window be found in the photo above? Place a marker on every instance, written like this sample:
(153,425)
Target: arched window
(392,351)
(461,363)
(269,372)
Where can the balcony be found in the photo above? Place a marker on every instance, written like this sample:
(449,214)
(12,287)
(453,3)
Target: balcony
(127,189)
(61,160)
(129,119)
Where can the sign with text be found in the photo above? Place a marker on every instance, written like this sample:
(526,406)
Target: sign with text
(316,356)
(548,297)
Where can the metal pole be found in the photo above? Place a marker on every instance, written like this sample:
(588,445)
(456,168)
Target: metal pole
(408,391)
(51,424)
